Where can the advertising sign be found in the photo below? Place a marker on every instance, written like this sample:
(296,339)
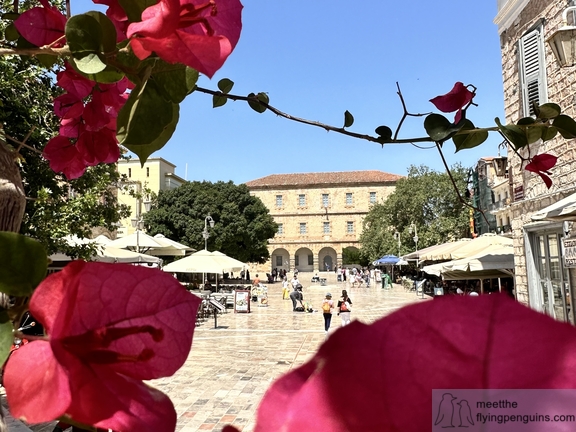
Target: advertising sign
(242,301)
(569,253)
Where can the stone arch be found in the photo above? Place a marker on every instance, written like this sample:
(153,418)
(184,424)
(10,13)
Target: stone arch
(280,259)
(347,253)
(327,255)
(304,260)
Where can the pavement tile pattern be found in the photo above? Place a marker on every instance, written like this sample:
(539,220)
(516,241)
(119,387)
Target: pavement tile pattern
(230,367)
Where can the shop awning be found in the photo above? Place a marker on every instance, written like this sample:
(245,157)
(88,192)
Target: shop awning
(563,210)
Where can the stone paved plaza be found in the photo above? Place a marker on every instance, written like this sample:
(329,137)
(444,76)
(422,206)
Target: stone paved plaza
(230,367)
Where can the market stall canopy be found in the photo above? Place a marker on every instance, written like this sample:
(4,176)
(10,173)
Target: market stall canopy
(479,245)
(417,255)
(199,262)
(563,210)
(387,260)
(443,251)
(494,261)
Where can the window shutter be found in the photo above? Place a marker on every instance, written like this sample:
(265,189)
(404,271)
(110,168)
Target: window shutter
(532,71)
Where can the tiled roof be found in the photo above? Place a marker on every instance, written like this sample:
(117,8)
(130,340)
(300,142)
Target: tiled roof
(331,178)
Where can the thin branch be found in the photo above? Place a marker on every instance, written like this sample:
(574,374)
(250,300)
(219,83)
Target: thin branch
(35,51)
(23,144)
(324,126)
(406,113)
(462,200)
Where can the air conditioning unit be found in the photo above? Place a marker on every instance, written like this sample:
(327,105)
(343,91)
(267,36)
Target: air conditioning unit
(500,165)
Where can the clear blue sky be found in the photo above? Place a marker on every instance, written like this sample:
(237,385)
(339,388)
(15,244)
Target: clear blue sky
(319,58)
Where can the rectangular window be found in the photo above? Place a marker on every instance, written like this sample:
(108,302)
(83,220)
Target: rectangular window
(280,228)
(302,227)
(297,260)
(326,227)
(278,261)
(348,198)
(310,259)
(325,200)
(278,200)
(350,227)
(532,69)
(372,197)
(301,200)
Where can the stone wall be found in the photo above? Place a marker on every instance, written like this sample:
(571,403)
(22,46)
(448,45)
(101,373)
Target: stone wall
(561,88)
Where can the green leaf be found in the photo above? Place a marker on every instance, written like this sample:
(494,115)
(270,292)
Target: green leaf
(225,85)
(6,336)
(176,81)
(47,60)
(10,16)
(24,264)
(566,126)
(85,40)
(134,8)
(108,31)
(262,97)
(439,128)
(11,34)
(513,133)
(147,120)
(384,132)
(526,121)
(469,140)
(548,111)
(218,100)
(109,75)
(548,133)
(348,119)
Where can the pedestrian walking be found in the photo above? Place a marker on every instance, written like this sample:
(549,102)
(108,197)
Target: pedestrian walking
(327,306)
(344,308)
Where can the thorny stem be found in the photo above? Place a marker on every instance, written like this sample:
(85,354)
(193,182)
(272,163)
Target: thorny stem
(21,335)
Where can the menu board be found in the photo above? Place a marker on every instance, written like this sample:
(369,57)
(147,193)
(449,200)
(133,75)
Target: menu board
(242,301)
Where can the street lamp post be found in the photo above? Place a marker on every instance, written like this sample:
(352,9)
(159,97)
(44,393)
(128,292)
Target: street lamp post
(138,221)
(414,230)
(397,237)
(205,233)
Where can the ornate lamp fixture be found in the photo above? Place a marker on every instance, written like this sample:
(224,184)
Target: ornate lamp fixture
(563,41)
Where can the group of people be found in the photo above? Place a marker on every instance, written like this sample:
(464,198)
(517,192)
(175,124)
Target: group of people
(343,306)
(354,276)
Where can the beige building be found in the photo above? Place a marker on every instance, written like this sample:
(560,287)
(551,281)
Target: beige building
(318,214)
(531,73)
(157,174)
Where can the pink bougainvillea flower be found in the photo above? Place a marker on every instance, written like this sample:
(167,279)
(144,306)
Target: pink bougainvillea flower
(541,164)
(455,100)
(97,147)
(42,25)
(110,326)
(64,157)
(74,83)
(118,17)
(380,377)
(198,33)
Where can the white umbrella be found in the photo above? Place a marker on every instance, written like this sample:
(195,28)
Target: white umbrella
(226,260)
(137,239)
(170,247)
(199,262)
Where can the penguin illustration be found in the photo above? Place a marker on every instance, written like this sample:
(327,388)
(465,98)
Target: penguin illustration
(445,411)
(465,414)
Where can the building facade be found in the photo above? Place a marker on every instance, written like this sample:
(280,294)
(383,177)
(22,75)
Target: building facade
(155,175)
(531,74)
(319,215)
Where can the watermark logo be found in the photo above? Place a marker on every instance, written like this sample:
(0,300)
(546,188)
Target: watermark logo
(504,410)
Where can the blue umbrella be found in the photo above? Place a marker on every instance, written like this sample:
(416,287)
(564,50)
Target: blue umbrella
(388,260)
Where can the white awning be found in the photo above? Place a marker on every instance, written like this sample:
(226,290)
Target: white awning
(563,210)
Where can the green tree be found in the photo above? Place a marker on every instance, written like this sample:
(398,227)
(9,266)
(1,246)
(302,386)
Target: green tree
(424,198)
(55,207)
(242,226)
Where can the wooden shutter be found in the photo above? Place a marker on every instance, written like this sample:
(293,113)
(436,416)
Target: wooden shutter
(532,71)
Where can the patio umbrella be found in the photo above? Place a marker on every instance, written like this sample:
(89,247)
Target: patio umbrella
(137,239)
(387,260)
(199,262)
(169,248)
(442,251)
(225,259)
(480,244)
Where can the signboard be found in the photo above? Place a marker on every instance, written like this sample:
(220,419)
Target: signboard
(518,193)
(569,253)
(242,301)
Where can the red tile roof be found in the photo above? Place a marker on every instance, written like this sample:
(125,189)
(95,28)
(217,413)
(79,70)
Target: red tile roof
(328,178)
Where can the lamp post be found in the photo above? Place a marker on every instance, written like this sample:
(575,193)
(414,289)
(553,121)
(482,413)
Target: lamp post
(205,233)
(414,229)
(138,221)
(397,237)
(563,41)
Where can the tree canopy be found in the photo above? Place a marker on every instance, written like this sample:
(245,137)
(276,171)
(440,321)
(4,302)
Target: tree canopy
(424,198)
(242,226)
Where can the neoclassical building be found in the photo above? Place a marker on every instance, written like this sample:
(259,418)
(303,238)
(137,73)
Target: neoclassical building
(318,214)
